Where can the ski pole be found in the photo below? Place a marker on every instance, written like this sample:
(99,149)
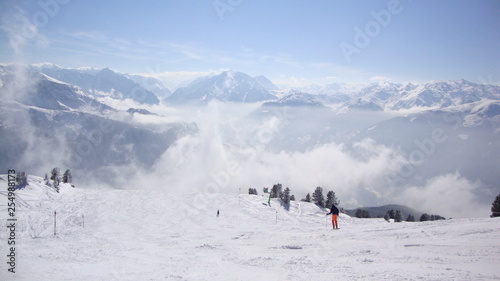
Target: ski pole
(341,219)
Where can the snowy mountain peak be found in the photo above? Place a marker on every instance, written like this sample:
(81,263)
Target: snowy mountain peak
(229,73)
(231,86)
(46,65)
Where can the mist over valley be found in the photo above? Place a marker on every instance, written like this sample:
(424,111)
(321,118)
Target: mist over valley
(431,146)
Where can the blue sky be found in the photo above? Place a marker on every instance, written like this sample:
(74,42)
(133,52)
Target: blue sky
(289,41)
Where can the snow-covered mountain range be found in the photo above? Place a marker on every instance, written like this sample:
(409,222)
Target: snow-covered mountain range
(44,120)
(233,86)
(71,118)
(395,96)
(105,82)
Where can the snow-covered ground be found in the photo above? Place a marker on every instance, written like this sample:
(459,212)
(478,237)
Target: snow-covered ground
(152,235)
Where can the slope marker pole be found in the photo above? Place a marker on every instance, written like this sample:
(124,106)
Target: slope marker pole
(55,223)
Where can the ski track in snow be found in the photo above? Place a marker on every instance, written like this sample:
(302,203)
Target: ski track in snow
(145,235)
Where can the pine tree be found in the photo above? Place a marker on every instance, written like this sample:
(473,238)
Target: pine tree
(55,177)
(495,207)
(318,197)
(276,191)
(391,214)
(67,177)
(286,196)
(410,218)
(46,179)
(398,217)
(307,199)
(292,197)
(331,199)
(21,179)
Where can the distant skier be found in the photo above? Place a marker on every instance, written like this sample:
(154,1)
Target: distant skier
(218,213)
(334,211)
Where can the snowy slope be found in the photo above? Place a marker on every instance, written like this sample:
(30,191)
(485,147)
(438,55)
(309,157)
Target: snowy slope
(266,83)
(154,235)
(296,99)
(151,84)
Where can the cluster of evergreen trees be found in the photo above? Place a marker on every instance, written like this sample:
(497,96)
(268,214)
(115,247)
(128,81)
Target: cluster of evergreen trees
(362,214)
(318,198)
(56,178)
(21,180)
(252,191)
(277,191)
(427,217)
(397,216)
(285,195)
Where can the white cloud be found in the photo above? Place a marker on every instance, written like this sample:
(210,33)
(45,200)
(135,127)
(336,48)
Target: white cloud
(212,161)
(449,195)
(21,31)
(380,79)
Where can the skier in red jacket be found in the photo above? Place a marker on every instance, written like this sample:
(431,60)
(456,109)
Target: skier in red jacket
(334,211)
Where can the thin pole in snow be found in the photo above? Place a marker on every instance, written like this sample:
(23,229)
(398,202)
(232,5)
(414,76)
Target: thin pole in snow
(83,220)
(55,223)
(326,221)
(276,217)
